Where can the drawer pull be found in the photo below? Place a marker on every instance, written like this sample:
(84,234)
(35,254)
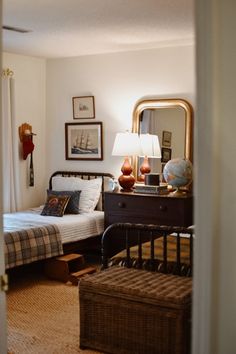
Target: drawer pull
(163,207)
(121,205)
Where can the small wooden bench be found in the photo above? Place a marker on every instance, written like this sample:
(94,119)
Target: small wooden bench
(65,268)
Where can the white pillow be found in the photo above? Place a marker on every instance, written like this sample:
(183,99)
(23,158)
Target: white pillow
(90,190)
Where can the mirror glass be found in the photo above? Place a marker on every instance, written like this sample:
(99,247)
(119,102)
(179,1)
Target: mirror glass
(171,121)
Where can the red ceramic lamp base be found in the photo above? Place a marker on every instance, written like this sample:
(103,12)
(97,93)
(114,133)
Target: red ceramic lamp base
(144,168)
(126,180)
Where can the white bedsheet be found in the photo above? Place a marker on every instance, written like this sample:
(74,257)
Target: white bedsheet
(72,227)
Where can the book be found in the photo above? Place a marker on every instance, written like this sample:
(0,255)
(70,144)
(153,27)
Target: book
(142,188)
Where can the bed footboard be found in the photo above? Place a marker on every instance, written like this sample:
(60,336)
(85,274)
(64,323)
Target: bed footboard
(168,249)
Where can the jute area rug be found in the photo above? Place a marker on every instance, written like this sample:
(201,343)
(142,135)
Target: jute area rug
(43,317)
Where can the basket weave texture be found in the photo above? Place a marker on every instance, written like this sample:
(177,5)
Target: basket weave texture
(125,310)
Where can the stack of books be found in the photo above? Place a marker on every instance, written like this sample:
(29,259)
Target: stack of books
(143,188)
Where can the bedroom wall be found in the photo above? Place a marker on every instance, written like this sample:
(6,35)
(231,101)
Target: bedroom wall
(30,103)
(44,91)
(117,81)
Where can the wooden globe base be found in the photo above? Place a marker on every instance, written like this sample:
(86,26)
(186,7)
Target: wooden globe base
(178,193)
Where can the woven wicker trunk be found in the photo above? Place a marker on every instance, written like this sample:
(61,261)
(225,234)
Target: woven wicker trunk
(125,311)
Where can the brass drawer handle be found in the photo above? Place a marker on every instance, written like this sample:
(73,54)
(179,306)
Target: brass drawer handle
(163,207)
(121,205)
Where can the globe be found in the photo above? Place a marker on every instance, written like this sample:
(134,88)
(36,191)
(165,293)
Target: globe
(178,172)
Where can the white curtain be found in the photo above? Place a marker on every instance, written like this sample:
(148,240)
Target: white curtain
(10,140)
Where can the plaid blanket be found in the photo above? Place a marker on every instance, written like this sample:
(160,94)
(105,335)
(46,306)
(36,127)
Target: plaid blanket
(33,244)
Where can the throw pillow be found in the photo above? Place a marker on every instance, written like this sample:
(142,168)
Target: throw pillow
(55,205)
(90,190)
(73,204)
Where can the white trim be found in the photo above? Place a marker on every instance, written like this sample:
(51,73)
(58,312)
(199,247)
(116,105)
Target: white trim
(3,328)
(214,314)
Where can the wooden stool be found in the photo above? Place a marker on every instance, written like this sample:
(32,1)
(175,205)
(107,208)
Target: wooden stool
(60,268)
(74,277)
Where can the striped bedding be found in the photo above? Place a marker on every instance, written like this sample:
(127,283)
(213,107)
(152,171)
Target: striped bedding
(29,236)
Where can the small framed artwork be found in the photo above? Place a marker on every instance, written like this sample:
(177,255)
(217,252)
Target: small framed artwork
(83,107)
(166,138)
(83,141)
(165,154)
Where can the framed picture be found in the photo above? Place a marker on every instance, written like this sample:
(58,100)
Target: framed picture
(165,154)
(83,107)
(166,138)
(83,141)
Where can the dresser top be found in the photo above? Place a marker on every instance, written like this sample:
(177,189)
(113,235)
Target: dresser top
(169,195)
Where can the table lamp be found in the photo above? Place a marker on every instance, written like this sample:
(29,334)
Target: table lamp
(150,147)
(127,145)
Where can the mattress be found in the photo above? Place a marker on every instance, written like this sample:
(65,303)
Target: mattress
(72,227)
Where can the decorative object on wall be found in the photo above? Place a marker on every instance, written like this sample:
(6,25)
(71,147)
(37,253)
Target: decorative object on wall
(7,72)
(150,147)
(127,145)
(26,137)
(83,107)
(166,138)
(165,154)
(83,141)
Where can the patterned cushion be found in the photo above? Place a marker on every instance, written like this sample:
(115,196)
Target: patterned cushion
(55,205)
(73,204)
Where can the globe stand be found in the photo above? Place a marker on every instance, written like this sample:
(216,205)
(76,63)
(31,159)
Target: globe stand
(177,193)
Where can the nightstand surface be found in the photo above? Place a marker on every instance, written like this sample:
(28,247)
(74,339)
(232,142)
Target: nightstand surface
(148,208)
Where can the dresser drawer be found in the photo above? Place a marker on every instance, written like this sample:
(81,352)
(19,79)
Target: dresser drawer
(137,208)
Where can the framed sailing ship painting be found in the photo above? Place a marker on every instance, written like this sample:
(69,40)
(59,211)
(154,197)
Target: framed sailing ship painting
(83,141)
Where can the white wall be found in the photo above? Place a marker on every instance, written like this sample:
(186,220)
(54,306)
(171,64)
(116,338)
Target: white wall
(117,81)
(30,103)
(44,91)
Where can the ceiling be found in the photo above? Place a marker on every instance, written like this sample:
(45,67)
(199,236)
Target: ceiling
(66,28)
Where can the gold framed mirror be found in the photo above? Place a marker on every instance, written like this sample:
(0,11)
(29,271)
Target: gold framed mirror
(172,121)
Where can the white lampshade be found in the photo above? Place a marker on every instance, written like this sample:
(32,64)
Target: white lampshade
(126,144)
(150,145)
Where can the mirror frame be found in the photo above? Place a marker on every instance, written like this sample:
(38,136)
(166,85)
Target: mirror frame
(160,104)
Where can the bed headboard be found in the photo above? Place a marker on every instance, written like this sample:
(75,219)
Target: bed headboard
(86,175)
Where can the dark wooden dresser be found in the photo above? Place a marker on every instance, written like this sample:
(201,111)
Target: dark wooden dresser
(148,209)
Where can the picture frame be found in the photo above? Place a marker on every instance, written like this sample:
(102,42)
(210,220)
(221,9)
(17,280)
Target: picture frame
(165,154)
(83,107)
(166,138)
(83,141)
